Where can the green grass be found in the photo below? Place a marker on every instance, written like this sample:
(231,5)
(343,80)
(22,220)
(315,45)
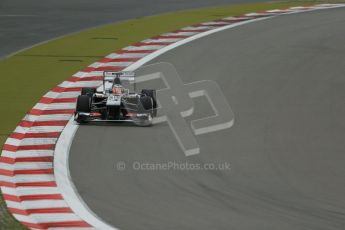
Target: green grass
(28,75)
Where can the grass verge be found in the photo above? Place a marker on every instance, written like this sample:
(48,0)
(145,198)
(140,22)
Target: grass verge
(28,75)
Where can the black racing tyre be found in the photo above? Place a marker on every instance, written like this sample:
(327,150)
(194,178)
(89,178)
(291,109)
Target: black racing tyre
(146,104)
(151,93)
(83,104)
(89,91)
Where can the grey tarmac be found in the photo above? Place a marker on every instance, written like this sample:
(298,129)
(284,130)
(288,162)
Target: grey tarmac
(284,79)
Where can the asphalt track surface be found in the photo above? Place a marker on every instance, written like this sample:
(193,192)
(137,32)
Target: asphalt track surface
(25,23)
(284,79)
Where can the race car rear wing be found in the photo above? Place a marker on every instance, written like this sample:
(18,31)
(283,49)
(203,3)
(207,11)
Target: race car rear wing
(125,75)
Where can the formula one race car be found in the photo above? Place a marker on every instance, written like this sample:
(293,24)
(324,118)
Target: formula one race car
(116,103)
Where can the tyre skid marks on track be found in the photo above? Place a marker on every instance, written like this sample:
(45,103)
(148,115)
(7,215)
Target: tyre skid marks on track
(26,166)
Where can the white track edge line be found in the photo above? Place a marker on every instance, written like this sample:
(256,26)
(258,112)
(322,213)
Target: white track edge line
(64,181)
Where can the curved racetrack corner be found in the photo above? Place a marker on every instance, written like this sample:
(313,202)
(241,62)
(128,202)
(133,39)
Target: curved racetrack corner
(284,79)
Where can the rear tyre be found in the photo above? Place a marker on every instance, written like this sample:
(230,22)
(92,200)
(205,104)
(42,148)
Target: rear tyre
(89,91)
(151,93)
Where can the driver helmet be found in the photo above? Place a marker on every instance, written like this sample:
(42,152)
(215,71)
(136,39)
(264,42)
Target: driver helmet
(117,90)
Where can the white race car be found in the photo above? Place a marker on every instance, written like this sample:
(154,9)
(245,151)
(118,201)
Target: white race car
(116,103)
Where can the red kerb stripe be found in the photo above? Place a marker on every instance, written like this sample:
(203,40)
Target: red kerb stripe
(105,60)
(112,68)
(50,112)
(40,211)
(91,78)
(152,43)
(32,197)
(47,100)
(10,160)
(43,123)
(29,184)
(12,173)
(171,36)
(62,224)
(21,136)
(59,89)
(135,51)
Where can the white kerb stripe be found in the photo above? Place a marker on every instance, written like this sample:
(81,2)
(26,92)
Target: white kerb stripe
(237,18)
(52,106)
(214,23)
(169,40)
(30,141)
(148,47)
(181,33)
(79,84)
(56,117)
(89,74)
(26,166)
(198,28)
(101,64)
(28,178)
(278,11)
(48,217)
(126,55)
(330,5)
(38,129)
(28,153)
(61,95)
(37,204)
(27,191)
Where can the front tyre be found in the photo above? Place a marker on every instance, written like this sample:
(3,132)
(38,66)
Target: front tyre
(83,106)
(145,111)
(145,104)
(151,93)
